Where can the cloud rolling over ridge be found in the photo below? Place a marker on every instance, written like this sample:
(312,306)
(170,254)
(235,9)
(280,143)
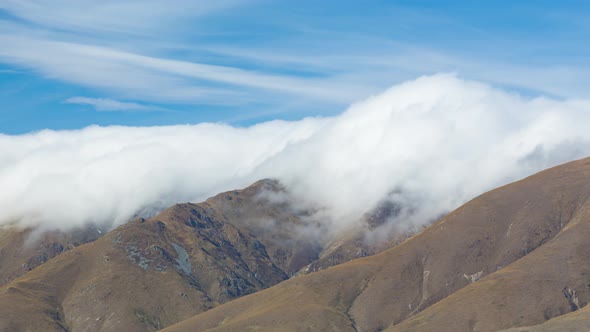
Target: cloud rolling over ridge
(428,145)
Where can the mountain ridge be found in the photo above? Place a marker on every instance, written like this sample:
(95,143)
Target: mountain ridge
(510,258)
(399,288)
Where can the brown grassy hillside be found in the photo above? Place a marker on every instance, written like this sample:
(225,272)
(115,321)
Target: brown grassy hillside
(22,249)
(146,274)
(512,257)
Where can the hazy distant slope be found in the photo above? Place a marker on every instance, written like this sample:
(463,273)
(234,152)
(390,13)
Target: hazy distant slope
(21,250)
(484,236)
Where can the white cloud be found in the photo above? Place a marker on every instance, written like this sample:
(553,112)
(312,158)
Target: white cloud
(139,76)
(106,104)
(123,49)
(429,145)
(105,69)
(394,61)
(169,52)
(113,16)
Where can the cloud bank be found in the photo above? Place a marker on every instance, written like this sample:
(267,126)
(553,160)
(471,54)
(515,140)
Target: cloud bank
(427,145)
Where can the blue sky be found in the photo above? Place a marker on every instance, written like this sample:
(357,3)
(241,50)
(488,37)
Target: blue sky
(70,64)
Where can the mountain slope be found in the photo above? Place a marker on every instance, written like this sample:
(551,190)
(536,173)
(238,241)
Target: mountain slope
(576,321)
(413,284)
(21,250)
(295,239)
(144,275)
(552,280)
(148,274)
(265,211)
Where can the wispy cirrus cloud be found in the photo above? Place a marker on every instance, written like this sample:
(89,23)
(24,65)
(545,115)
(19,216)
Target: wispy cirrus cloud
(147,77)
(111,105)
(112,16)
(256,56)
(406,60)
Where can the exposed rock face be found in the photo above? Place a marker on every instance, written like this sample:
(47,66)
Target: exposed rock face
(265,211)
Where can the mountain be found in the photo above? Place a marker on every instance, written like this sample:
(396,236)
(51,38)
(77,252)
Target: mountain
(265,211)
(151,273)
(355,242)
(513,257)
(576,321)
(148,274)
(295,239)
(254,259)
